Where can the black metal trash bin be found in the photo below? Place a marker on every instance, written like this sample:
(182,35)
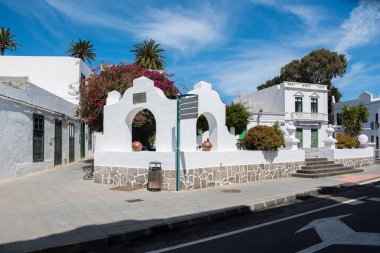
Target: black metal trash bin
(154,176)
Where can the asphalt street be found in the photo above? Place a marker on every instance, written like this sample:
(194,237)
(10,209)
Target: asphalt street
(343,221)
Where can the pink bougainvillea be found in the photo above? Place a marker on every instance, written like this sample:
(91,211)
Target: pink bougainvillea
(93,93)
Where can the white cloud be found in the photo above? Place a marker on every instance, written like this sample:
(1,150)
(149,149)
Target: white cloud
(182,30)
(186,30)
(242,73)
(361,27)
(360,77)
(309,14)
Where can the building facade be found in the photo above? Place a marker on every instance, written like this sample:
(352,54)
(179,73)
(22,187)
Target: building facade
(39,129)
(371,126)
(305,104)
(59,75)
(38,97)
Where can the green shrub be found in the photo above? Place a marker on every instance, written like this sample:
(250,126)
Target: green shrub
(278,130)
(345,141)
(262,138)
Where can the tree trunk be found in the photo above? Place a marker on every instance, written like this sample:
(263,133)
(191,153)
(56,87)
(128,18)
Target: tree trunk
(2,51)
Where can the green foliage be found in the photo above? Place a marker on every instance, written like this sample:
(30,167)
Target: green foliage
(270,83)
(319,66)
(148,55)
(262,138)
(352,118)
(237,116)
(152,139)
(202,124)
(345,141)
(6,41)
(278,130)
(82,49)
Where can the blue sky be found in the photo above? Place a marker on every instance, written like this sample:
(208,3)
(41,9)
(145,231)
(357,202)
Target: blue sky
(235,45)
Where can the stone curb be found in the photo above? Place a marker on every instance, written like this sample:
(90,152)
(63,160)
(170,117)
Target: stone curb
(180,223)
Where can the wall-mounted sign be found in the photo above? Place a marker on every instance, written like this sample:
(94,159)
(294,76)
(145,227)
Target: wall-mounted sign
(188,107)
(307,123)
(139,98)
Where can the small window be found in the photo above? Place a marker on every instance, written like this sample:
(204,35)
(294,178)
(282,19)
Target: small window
(314,105)
(38,138)
(298,104)
(339,119)
(377,118)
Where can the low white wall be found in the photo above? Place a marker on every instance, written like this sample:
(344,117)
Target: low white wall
(193,160)
(354,153)
(334,154)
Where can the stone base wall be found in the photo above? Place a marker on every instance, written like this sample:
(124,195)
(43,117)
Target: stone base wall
(196,178)
(121,176)
(357,162)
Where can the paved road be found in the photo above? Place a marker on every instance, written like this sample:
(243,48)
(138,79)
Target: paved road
(57,208)
(345,221)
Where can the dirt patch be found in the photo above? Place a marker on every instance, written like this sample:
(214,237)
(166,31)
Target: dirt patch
(231,191)
(124,188)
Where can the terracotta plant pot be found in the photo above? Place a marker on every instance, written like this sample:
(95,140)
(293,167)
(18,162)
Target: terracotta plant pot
(206,145)
(136,146)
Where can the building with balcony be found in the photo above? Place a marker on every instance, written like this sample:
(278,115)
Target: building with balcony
(305,104)
(371,126)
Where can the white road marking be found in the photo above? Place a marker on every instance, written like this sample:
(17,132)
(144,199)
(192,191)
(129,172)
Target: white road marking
(333,231)
(375,199)
(370,181)
(252,227)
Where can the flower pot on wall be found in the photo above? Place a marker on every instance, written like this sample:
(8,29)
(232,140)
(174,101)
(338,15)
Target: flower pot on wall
(206,145)
(136,146)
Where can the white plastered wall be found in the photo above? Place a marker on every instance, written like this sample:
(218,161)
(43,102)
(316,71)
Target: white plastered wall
(119,113)
(52,73)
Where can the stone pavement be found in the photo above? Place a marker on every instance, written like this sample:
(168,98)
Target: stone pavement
(56,210)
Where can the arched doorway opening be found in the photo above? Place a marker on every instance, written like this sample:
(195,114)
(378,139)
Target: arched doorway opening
(206,128)
(144,129)
(202,130)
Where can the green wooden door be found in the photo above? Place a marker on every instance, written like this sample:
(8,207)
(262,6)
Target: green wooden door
(58,143)
(299,136)
(314,138)
(71,142)
(82,140)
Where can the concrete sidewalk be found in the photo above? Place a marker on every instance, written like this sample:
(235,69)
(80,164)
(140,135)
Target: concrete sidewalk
(56,210)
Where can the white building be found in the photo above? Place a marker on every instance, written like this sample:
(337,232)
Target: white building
(52,73)
(39,129)
(305,104)
(371,127)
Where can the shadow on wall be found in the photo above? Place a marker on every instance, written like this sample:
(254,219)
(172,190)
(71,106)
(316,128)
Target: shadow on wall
(174,140)
(270,155)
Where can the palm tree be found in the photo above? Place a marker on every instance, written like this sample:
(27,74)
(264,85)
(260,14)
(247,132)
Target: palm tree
(352,119)
(349,121)
(148,55)
(82,49)
(6,41)
(362,113)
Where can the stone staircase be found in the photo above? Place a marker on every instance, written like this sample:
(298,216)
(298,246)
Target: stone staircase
(320,167)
